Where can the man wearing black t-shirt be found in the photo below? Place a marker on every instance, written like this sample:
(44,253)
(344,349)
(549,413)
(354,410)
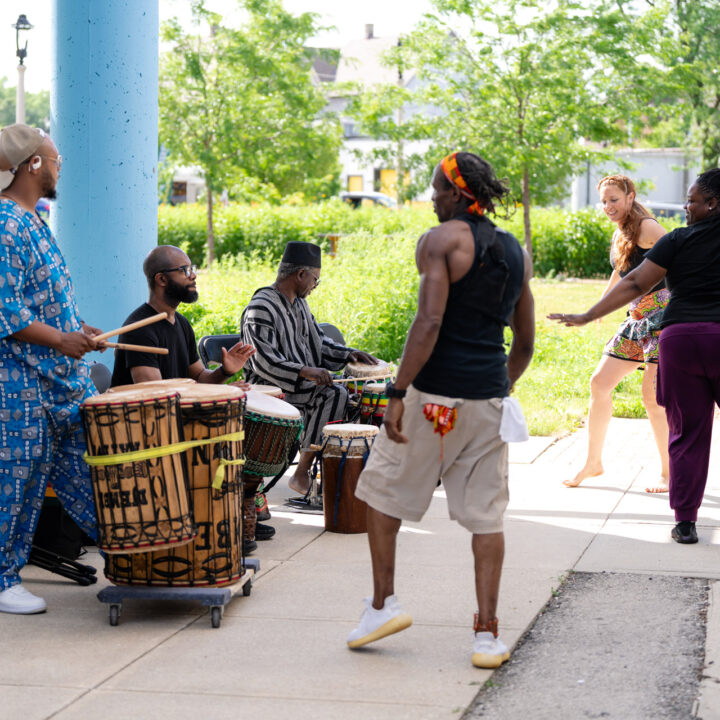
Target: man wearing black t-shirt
(171,279)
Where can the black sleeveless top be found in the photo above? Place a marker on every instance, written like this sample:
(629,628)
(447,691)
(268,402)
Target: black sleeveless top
(636,257)
(469,359)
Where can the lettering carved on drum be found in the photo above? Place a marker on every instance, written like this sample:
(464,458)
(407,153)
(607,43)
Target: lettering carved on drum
(214,557)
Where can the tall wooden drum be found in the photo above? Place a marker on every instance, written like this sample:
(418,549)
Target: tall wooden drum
(365,372)
(215,556)
(345,451)
(142,503)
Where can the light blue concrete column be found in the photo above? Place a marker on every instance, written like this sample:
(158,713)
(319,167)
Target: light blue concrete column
(104,121)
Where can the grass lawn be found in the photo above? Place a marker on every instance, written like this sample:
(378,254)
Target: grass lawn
(373,301)
(554,391)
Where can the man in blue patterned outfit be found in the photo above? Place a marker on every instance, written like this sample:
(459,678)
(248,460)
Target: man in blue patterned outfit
(43,379)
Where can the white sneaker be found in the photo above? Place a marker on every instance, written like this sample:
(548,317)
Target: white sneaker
(489,651)
(376,624)
(18,600)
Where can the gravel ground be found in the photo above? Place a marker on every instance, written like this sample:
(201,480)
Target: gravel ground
(608,645)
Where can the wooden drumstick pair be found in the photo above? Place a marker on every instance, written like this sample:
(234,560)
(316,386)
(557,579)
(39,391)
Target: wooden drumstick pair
(128,328)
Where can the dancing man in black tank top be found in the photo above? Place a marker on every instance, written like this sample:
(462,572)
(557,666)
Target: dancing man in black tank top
(444,414)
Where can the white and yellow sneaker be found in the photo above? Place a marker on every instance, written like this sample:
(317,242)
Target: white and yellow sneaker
(376,624)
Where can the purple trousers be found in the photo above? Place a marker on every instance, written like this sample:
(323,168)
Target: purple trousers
(688,388)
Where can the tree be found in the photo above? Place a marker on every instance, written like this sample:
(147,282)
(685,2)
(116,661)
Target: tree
(527,85)
(37,107)
(240,104)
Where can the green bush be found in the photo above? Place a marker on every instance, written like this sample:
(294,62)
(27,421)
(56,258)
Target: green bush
(575,244)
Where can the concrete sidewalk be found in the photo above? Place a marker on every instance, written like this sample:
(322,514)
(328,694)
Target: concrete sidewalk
(281,652)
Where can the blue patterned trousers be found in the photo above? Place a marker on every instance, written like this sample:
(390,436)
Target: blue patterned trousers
(36,448)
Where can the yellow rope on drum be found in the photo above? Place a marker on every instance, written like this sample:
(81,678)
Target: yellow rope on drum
(172,449)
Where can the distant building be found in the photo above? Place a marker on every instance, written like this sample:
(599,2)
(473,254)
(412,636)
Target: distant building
(360,61)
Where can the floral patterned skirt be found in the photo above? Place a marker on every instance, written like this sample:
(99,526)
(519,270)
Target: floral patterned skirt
(638,337)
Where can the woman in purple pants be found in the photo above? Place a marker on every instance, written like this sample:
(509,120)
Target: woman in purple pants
(689,373)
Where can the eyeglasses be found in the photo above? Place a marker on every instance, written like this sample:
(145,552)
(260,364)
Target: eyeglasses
(187,269)
(315,278)
(58,160)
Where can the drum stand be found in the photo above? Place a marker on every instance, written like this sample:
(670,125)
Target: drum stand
(81,574)
(312,501)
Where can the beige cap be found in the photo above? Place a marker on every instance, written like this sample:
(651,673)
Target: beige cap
(17,143)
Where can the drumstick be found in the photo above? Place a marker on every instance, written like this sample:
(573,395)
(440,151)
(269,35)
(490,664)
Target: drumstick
(360,379)
(137,348)
(131,326)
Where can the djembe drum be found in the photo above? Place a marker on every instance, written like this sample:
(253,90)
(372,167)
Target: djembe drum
(364,372)
(345,451)
(209,413)
(272,428)
(373,403)
(141,491)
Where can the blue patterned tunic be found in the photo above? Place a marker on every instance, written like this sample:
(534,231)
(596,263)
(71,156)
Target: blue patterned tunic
(40,390)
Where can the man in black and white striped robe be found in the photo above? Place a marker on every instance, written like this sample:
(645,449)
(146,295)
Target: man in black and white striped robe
(293,353)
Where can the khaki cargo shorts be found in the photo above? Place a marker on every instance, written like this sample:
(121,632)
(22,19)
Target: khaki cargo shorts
(399,479)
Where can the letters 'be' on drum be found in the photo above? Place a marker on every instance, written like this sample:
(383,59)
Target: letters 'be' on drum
(212,415)
(141,494)
(345,451)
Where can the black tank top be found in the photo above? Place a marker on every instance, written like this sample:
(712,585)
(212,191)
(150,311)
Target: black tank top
(636,258)
(469,359)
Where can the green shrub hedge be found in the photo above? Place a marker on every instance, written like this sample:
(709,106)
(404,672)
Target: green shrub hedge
(574,244)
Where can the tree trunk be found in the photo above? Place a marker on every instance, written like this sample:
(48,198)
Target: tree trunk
(526,211)
(210,230)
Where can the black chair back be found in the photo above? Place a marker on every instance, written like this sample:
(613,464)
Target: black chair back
(210,347)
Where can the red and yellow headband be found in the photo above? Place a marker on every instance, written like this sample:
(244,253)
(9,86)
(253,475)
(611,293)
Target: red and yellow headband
(452,173)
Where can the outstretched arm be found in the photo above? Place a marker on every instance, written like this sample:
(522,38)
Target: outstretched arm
(635,284)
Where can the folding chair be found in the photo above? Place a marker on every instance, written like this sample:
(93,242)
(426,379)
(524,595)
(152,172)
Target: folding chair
(210,347)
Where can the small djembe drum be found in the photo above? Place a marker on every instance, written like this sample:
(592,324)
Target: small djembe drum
(141,491)
(373,403)
(360,373)
(345,451)
(211,415)
(272,429)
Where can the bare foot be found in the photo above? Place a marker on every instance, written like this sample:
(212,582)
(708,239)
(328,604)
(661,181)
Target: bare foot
(662,487)
(300,483)
(586,472)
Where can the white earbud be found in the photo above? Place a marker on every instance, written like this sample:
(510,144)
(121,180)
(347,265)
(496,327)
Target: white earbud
(37,164)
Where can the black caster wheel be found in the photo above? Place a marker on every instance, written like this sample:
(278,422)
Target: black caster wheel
(216,616)
(114,614)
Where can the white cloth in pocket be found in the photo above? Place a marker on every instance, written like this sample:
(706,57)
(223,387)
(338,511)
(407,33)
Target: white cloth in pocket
(513,427)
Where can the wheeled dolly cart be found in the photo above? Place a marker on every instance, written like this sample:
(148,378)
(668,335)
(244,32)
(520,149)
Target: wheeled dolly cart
(216,598)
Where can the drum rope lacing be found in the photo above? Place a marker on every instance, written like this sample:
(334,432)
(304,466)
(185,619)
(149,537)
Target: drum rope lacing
(265,469)
(172,449)
(341,465)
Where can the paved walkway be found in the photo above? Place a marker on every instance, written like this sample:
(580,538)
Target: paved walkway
(281,653)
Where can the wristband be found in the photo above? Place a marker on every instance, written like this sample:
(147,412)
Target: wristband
(226,374)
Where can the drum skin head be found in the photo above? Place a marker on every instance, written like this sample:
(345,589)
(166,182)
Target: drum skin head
(350,430)
(361,370)
(374,387)
(204,392)
(133,394)
(269,406)
(158,384)
(272,390)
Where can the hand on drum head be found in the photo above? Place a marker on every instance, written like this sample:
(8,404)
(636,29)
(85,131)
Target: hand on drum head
(362,357)
(319,376)
(234,359)
(392,421)
(244,386)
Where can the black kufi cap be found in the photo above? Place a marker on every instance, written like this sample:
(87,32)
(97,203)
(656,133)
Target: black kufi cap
(302,253)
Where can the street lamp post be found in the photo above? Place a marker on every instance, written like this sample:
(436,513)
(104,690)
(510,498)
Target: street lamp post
(22,24)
